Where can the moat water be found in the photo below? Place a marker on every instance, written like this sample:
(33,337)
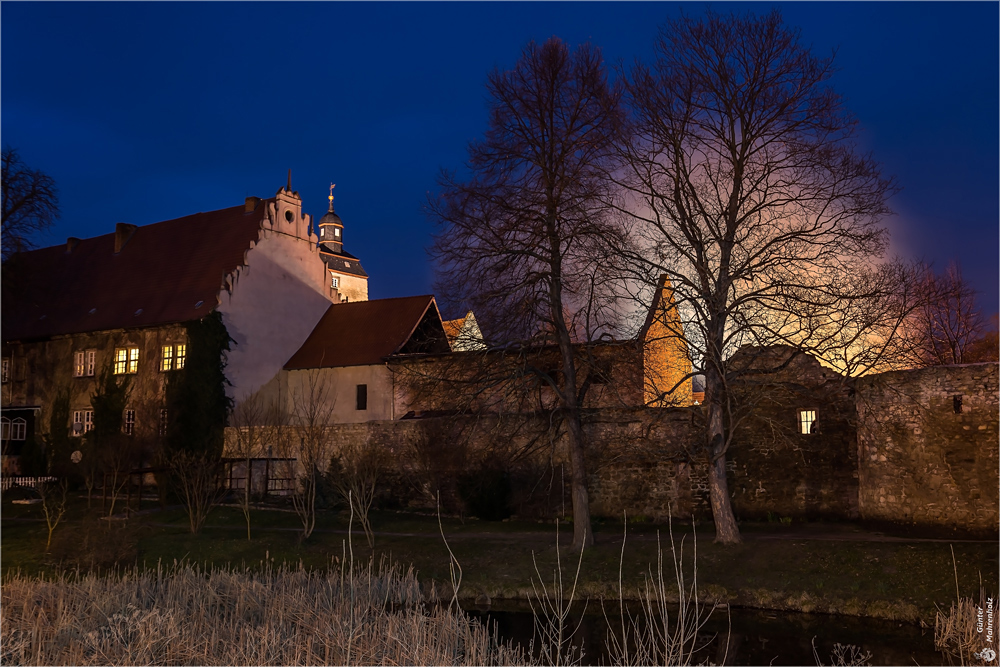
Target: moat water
(743,636)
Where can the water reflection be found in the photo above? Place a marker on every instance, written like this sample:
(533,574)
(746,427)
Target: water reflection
(744,636)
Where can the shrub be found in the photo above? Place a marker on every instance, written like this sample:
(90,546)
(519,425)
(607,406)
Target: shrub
(486,491)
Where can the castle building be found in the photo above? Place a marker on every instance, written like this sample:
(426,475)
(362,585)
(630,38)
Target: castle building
(347,278)
(121,301)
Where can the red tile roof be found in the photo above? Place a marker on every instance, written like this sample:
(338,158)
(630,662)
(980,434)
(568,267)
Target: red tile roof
(361,333)
(161,275)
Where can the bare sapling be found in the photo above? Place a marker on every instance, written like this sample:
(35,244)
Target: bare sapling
(312,399)
(361,466)
(53,495)
(551,608)
(254,422)
(197,475)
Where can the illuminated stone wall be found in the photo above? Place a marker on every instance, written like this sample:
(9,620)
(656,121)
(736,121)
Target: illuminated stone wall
(927,442)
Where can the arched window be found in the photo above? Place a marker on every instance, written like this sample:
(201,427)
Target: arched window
(19,429)
(4,428)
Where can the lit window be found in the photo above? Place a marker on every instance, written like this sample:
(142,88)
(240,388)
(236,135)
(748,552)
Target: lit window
(322,232)
(362,397)
(18,429)
(91,362)
(128,423)
(163,421)
(334,282)
(126,360)
(807,421)
(172,357)
(5,371)
(83,422)
(167,358)
(336,231)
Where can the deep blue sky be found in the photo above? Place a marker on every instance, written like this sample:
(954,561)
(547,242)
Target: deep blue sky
(144,112)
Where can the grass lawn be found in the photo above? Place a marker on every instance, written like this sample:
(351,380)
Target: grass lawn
(893,580)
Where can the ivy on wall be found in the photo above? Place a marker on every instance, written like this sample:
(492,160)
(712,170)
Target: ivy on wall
(197,405)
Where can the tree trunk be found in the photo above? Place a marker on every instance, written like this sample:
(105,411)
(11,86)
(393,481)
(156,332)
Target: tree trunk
(726,530)
(583,536)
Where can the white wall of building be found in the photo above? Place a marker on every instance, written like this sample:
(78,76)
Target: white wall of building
(275,299)
(334,391)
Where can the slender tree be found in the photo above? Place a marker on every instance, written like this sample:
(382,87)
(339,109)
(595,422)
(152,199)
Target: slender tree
(745,189)
(313,398)
(523,240)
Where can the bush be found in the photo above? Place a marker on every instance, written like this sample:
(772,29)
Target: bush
(486,491)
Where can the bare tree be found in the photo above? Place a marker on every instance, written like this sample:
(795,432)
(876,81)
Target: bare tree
(30,203)
(197,476)
(312,398)
(524,240)
(53,495)
(948,324)
(254,423)
(744,187)
(361,466)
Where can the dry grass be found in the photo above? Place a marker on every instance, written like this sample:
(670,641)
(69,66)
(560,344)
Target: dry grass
(960,633)
(183,615)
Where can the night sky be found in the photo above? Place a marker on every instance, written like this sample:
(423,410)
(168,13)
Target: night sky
(144,112)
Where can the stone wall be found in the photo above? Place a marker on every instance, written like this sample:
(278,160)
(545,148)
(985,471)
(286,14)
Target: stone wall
(776,468)
(920,461)
(928,447)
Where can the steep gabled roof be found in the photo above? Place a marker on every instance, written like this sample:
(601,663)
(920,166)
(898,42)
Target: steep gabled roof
(167,272)
(363,333)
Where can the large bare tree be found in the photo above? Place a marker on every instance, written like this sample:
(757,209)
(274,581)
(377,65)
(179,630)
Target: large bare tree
(745,188)
(30,203)
(523,240)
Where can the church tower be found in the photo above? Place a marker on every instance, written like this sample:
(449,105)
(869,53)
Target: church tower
(346,275)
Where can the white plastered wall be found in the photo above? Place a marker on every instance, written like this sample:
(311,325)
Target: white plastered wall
(337,388)
(275,299)
(352,288)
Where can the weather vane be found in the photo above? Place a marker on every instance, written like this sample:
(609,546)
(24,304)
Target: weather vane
(332,186)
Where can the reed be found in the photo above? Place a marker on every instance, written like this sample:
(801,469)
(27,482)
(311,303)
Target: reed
(181,614)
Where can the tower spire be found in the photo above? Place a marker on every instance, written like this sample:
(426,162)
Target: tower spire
(332,186)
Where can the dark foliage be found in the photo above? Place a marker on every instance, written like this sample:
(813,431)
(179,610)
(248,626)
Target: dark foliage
(196,395)
(486,491)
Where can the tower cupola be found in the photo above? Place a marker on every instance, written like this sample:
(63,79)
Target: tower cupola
(331,227)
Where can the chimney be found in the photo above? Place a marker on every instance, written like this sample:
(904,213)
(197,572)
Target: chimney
(251,204)
(123,232)
(71,243)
